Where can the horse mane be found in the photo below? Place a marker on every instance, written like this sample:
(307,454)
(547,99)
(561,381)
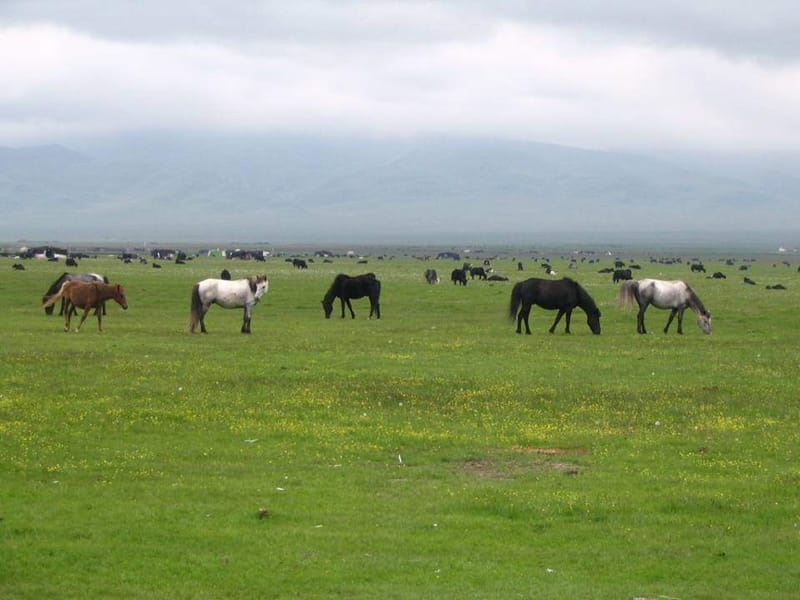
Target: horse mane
(56,284)
(585,301)
(331,293)
(694,301)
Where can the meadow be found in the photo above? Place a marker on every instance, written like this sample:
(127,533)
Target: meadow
(431,453)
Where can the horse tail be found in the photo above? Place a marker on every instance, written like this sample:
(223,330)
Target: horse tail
(196,308)
(627,293)
(49,301)
(516,300)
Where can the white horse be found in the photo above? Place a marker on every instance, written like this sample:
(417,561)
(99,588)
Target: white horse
(227,294)
(674,295)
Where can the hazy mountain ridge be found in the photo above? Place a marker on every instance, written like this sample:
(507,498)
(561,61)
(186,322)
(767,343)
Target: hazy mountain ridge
(303,188)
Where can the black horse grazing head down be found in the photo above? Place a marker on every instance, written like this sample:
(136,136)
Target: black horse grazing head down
(345,287)
(560,294)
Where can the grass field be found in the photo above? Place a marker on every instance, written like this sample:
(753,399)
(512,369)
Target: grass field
(432,453)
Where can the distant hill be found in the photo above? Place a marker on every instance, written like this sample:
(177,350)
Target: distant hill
(294,188)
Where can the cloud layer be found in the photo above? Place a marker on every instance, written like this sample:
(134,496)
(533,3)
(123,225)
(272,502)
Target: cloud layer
(713,75)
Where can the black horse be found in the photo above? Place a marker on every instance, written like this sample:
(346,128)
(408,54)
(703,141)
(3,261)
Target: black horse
(345,287)
(68,277)
(459,276)
(560,294)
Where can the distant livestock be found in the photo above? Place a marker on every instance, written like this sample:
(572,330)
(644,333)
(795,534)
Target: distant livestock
(622,275)
(478,272)
(299,263)
(226,275)
(431,276)
(459,276)
(749,281)
(718,275)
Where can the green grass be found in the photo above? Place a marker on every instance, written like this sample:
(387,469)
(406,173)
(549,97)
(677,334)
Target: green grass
(433,453)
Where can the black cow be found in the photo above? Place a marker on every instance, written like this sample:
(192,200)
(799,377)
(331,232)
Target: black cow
(478,272)
(622,275)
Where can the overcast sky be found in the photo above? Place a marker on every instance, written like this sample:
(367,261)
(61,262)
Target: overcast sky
(626,75)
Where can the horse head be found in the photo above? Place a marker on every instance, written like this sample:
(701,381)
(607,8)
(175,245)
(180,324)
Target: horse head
(593,320)
(327,305)
(704,322)
(119,296)
(259,285)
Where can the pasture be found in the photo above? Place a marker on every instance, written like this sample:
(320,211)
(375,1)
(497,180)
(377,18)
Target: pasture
(431,453)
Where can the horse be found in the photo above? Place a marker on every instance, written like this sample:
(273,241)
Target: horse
(674,295)
(346,287)
(88,277)
(560,294)
(431,276)
(459,276)
(235,293)
(88,296)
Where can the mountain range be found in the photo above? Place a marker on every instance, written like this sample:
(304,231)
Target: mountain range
(303,188)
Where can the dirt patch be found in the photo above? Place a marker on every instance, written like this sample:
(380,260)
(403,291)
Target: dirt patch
(549,451)
(520,460)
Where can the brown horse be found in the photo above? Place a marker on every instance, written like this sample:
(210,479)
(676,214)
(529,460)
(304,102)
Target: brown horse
(87,296)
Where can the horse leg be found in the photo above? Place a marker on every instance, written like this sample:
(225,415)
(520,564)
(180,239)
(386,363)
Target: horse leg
(99,312)
(640,320)
(680,320)
(349,306)
(246,322)
(523,316)
(558,318)
(672,314)
(85,314)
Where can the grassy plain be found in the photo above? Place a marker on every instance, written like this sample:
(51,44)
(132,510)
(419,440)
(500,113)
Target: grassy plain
(433,453)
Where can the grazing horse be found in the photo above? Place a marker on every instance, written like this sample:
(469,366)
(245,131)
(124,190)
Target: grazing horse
(431,276)
(674,295)
(459,276)
(89,277)
(88,296)
(227,294)
(345,287)
(560,294)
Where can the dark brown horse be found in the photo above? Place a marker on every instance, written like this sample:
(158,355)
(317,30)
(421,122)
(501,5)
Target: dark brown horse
(88,296)
(345,287)
(561,294)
